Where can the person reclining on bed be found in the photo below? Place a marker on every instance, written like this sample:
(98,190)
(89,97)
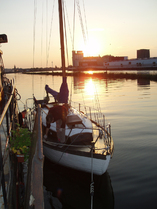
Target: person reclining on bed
(57,114)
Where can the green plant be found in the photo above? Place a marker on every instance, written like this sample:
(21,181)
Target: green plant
(20,141)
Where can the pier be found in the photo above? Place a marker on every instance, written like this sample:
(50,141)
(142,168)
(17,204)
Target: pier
(21,184)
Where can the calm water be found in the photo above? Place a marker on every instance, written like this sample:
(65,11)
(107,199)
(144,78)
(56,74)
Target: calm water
(131,108)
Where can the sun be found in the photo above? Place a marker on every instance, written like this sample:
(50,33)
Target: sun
(92,47)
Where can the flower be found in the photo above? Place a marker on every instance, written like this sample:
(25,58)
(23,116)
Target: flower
(20,141)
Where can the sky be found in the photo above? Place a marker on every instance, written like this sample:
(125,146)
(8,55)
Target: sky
(115,27)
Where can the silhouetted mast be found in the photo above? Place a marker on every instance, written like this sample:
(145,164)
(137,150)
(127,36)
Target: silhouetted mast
(62,37)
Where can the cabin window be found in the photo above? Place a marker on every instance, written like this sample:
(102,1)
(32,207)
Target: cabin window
(71,126)
(79,126)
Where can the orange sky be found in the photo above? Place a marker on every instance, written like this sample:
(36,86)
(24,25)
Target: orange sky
(114,27)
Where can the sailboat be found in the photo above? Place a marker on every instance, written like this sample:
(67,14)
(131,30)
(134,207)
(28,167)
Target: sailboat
(88,145)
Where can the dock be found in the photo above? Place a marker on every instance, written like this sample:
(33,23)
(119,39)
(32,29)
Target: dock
(21,182)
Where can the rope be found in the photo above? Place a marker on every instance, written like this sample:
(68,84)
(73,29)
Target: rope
(71,145)
(68,21)
(46,30)
(85,18)
(78,146)
(42,22)
(84,102)
(97,106)
(70,99)
(50,33)
(65,35)
(35,12)
(92,182)
(81,21)
(16,93)
(73,26)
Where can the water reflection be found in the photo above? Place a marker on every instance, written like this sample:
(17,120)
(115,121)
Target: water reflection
(84,85)
(89,83)
(78,83)
(142,81)
(132,115)
(72,187)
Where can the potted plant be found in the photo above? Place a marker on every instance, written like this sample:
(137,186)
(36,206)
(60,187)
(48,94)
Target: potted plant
(20,142)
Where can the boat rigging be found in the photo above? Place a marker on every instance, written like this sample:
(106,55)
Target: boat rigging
(85,130)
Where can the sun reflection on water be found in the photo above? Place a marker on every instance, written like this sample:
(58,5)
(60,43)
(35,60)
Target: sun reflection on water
(90,88)
(90,72)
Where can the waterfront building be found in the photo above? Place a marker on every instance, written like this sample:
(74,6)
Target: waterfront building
(143,61)
(143,53)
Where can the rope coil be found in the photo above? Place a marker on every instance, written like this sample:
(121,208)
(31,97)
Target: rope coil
(92,188)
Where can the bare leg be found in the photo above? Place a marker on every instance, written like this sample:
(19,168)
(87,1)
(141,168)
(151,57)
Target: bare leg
(60,131)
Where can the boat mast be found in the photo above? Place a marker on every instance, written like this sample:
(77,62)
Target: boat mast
(62,37)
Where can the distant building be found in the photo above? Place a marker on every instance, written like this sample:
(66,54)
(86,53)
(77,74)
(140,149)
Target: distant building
(143,53)
(132,64)
(77,57)
(109,58)
(80,61)
(143,60)
(90,61)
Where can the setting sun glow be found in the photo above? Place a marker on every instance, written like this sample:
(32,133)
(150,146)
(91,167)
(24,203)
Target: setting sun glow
(92,47)
(90,72)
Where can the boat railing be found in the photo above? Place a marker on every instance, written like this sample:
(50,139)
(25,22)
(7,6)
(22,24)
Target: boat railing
(98,119)
(93,114)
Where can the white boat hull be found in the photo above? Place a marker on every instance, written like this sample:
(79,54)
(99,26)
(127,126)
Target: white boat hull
(78,162)
(76,153)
